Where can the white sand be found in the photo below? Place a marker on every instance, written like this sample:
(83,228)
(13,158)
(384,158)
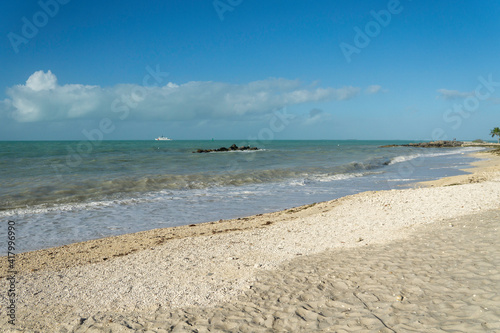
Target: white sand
(201,272)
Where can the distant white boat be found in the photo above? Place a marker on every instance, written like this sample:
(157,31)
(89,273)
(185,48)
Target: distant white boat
(163,138)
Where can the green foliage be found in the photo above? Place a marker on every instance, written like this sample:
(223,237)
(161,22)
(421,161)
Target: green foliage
(478,141)
(496,132)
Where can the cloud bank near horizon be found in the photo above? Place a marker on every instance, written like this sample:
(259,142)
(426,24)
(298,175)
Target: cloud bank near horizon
(41,98)
(447,94)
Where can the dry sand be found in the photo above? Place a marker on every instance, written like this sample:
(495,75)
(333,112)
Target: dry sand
(423,259)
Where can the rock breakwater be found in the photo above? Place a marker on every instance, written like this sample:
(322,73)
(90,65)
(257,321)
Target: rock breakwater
(432,144)
(234,147)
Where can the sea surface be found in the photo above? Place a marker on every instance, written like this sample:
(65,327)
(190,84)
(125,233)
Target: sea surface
(60,192)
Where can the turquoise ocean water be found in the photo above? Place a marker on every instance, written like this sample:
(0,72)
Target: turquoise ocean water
(60,192)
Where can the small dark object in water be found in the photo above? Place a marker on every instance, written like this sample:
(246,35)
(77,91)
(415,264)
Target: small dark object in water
(232,148)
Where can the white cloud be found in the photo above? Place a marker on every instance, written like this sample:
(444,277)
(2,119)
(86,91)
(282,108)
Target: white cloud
(42,81)
(453,94)
(5,105)
(41,98)
(373,89)
(60,102)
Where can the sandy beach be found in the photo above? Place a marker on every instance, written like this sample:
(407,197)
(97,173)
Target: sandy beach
(424,259)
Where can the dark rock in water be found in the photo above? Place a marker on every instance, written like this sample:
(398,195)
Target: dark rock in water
(432,144)
(437,144)
(247,148)
(232,148)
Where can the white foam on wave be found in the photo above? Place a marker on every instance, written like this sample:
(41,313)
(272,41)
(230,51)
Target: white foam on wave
(323,178)
(43,209)
(406,158)
(298,182)
(340,176)
(155,197)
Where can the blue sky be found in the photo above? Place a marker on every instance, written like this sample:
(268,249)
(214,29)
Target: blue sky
(240,69)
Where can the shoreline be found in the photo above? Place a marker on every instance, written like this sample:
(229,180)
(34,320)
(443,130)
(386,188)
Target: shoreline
(102,249)
(210,263)
(50,225)
(484,169)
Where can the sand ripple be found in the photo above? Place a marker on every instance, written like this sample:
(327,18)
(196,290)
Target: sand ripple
(445,278)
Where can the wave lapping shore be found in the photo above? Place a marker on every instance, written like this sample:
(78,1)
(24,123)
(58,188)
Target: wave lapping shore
(57,198)
(417,259)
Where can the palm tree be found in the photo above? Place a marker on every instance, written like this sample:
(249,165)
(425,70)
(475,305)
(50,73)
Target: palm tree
(496,132)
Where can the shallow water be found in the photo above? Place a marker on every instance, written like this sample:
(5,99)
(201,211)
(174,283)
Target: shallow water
(59,192)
